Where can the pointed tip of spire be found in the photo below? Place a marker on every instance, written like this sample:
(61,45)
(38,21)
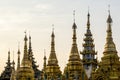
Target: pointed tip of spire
(88,21)
(74,26)
(18,48)
(109,20)
(25,39)
(9,51)
(88,11)
(53,31)
(44,52)
(29,35)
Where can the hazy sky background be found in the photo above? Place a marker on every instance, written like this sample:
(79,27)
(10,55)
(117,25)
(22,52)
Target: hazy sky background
(37,17)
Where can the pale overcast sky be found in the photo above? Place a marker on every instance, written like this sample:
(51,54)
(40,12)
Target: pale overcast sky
(37,17)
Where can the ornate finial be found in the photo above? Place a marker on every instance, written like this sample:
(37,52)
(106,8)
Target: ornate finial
(52,27)
(53,31)
(9,56)
(88,9)
(29,37)
(109,8)
(29,41)
(44,52)
(25,39)
(74,15)
(44,55)
(109,20)
(88,22)
(44,66)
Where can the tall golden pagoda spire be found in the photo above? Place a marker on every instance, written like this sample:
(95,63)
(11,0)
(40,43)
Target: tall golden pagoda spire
(25,56)
(88,52)
(109,46)
(25,72)
(52,70)
(74,49)
(52,58)
(74,69)
(109,67)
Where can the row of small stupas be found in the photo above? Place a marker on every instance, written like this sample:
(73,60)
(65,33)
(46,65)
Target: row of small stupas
(87,68)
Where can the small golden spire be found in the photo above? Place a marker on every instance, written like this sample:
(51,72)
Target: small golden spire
(25,61)
(44,66)
(52,58)
(30,54)
(13,63)
(18,63)
(13,69)
(25,47)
